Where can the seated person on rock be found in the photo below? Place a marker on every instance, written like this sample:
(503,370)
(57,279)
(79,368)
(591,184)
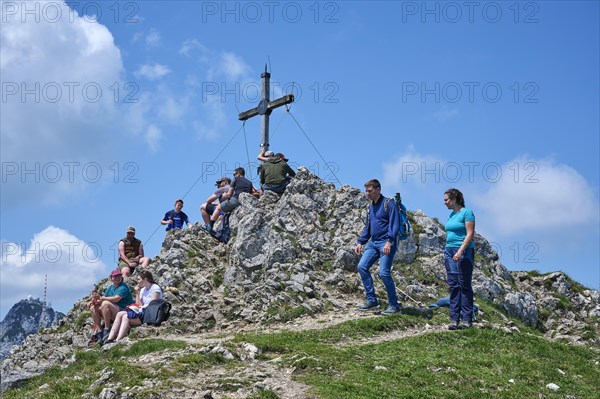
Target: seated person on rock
(275,174)
(211,203)
(131,253)
(175,218)
(105,307)
(146,291)
(231,198)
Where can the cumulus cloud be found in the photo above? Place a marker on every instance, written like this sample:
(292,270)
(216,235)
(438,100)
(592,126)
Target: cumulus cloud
(55,90)
(545,195)
(153,71)
(72,266)
(522,195)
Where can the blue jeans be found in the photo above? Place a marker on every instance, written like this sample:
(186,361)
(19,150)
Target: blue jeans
(373,251)
(460,276)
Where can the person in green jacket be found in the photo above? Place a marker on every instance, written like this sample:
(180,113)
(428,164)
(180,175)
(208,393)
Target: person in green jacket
(275,173)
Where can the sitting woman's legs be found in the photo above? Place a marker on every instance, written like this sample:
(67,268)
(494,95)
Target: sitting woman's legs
(116,324)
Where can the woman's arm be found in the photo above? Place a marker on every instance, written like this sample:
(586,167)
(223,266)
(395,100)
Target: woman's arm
(470,227)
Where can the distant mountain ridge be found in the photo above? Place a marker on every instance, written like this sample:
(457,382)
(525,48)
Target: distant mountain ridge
(26,317)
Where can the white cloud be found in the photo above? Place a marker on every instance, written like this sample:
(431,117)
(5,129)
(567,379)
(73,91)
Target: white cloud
(153,38)
(191,46)
(410,167)
(153,136)
(72,266)
(542,197)
(56,90)
(153,71)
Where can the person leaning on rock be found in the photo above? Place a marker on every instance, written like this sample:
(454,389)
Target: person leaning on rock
(211,203)
(131,253)
(105,307)
(275,173)
(379,235)
(231,198)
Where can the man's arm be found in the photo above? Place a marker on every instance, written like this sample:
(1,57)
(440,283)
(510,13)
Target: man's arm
(393,222)
(289,170)
(211,199)
(166,219)
(228,194)
(122,253)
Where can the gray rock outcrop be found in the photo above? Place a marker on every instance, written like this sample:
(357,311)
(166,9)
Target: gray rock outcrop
(293,255)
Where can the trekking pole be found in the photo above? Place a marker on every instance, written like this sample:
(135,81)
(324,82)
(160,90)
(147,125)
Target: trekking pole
(419,304)
(402,292)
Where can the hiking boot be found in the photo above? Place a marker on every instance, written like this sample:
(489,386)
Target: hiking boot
(207,227)
(465,325)
(392,310)
(369,305)
(453,325)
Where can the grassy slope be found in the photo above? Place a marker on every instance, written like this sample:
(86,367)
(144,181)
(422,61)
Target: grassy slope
(460,364)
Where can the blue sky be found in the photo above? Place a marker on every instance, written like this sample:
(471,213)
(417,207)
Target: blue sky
(112,110)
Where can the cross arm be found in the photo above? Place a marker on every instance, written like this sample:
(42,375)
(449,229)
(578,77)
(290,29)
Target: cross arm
(271,106)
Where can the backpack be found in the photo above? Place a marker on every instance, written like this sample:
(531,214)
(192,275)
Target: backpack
(223,232)
(405,227)
(156,312)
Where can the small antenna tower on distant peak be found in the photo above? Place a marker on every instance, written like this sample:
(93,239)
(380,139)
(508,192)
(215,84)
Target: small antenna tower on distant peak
(45,289)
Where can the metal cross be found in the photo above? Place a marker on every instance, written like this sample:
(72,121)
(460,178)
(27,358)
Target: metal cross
(265,107)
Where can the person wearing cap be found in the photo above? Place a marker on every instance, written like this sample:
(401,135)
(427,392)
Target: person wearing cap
(230,200)
(175,218)
(131,253)
(275,174)
(211,203)
(115,298)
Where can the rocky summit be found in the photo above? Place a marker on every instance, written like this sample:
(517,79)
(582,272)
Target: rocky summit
(291,259)
(25,318)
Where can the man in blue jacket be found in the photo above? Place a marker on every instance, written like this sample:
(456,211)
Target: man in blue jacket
(379,235)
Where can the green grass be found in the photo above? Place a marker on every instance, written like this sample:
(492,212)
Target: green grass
(475,363)
(463,364)
(75,379)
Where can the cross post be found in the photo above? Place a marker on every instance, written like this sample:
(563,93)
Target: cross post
(265,107)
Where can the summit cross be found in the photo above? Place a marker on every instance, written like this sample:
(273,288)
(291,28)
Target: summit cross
(265,107)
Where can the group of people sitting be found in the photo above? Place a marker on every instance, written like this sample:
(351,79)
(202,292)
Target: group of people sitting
(275,175)
(116,308)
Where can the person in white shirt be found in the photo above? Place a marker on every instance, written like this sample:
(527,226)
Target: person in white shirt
(146,291)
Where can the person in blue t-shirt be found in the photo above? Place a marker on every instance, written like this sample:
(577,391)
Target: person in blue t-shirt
(175,218)
(459,258)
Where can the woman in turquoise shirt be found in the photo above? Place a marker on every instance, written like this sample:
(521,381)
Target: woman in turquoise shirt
(459,257)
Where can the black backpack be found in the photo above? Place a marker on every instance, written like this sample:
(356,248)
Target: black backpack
(223,232)
(156,312)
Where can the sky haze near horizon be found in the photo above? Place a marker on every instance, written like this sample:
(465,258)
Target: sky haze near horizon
(110,111)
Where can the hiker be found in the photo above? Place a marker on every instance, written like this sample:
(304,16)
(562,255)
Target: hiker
(231,198)
(211,203)
(105,307)
(131,253)
(145,292)
(379,235)
(459,257)
(175,218)
(275,173)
